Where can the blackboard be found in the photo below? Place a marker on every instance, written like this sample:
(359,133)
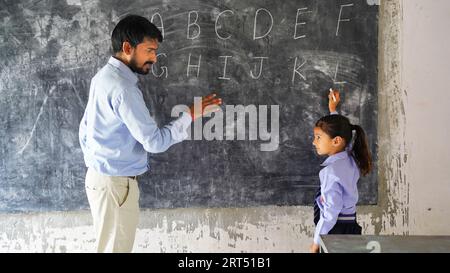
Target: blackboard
(50,50)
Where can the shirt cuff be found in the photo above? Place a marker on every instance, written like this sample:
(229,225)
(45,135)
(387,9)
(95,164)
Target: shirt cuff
(185,119)
(334,113)
(316,239)
(180,126)
(317,233)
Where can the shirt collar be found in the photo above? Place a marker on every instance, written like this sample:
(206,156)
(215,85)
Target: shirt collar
(333,158)
(124,69)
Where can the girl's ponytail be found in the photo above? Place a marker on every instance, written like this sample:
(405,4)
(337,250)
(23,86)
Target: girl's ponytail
(360,151)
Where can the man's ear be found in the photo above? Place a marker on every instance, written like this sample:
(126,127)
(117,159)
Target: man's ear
(127,49)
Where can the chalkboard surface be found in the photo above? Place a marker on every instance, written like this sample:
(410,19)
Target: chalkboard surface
(252,53)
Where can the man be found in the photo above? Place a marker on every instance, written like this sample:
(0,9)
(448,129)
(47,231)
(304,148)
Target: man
(117,131)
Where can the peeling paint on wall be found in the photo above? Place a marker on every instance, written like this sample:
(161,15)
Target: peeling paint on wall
(392,140)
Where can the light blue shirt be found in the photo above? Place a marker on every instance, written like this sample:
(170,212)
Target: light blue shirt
(117,131)
(339,191)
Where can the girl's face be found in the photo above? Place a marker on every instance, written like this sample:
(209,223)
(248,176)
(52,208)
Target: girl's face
(325,145)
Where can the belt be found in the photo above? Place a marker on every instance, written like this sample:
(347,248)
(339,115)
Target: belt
(133,177)
(347,217)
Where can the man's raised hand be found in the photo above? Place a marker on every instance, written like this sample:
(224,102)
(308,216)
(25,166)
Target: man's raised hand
(210,103)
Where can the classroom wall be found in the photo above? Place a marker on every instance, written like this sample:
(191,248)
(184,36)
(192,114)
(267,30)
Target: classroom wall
(413,154)
(425,74)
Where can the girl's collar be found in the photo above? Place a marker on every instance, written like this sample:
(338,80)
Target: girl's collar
(333,158)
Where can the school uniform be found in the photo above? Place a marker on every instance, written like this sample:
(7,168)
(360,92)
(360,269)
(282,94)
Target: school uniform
(335,201)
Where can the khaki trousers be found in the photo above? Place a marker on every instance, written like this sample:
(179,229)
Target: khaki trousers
(114,203)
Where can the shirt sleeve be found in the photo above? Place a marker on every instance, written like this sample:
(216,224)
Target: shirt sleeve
(132,111)
(332,206)
(82,133)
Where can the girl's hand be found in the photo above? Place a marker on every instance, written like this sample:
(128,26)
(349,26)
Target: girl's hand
(332,105)
(314,248)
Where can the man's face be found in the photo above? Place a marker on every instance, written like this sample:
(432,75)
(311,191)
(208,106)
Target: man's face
(143,56)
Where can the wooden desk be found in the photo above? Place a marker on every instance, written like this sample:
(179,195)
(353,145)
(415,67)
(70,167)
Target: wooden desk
(384,244)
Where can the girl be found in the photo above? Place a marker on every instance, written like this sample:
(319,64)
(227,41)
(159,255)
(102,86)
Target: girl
(335,203)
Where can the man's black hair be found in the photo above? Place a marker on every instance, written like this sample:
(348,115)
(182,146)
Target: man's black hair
(133,29)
